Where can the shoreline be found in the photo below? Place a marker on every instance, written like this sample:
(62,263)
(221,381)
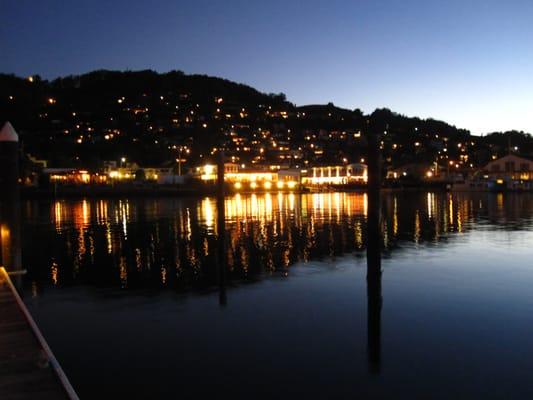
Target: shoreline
(203,191)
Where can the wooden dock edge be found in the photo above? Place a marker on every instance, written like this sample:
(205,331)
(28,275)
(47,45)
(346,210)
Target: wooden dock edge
(60,374)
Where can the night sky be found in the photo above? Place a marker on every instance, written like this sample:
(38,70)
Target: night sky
(469,63)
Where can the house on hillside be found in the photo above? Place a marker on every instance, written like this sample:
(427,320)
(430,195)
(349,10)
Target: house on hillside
(510,172)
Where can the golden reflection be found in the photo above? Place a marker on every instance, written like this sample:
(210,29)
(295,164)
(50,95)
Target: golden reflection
(431,204)
(291,201)
(163,275)
(450,211)
(138,260)
(268,205)
(395,217)
(318,202)
(85,213)
(82,250)
(265,231)
(338,206)
(245,262)
(460,208)
(101,212)
(54,272)
(207,212)
(5,242)
(254,207)
(206,247)
(417,227)
(91,246)
(124,213)
(194,262)
(280,200)
(329,205)
(358,235)
(188,230)
(312,230)
(109,238)
(58,215)
(285,258)
(499,201)
(123,271)
(81,244)
(5,233)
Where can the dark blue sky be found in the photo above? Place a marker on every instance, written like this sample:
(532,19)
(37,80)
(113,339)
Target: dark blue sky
(467,62)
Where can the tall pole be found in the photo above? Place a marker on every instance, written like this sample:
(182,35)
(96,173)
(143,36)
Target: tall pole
(374,297)
(11,257)
(221,229)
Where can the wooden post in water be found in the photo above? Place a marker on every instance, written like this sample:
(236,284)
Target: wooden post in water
(373,252)
(221,229)
(10,201)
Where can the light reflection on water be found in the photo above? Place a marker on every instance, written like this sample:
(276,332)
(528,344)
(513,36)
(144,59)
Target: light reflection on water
(125,292)
(106,241)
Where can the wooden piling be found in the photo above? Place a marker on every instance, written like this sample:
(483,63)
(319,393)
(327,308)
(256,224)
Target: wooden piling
(221,229)
(374,296)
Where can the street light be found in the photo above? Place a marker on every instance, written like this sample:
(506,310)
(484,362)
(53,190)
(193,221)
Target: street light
(180,150)
(178,160)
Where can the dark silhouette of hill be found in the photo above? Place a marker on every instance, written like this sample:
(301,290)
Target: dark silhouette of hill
(146,116)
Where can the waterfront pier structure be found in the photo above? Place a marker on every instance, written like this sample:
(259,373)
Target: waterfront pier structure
(28,368)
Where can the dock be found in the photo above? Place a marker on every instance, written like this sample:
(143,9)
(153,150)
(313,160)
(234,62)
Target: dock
(28,368)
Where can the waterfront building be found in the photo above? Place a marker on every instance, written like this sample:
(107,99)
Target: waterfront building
(257,178)
(510,172)
(158,174)
(120,172)
(126,171)
(336,175)
(289,178)
(510,166)
(73,176)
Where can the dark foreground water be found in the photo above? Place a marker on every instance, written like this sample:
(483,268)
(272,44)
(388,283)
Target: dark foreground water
(131,297)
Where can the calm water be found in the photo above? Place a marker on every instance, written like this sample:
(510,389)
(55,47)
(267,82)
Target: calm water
(132,299)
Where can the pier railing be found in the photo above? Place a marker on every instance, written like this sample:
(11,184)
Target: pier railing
(52,361)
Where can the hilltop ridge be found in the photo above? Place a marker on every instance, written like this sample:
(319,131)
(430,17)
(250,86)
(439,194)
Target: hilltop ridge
(148,117)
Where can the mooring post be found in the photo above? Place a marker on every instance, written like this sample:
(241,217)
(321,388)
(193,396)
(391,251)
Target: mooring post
(373,249)
(10,201)
(221,229)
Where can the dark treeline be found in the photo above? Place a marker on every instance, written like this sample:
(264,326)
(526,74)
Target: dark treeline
(146,116)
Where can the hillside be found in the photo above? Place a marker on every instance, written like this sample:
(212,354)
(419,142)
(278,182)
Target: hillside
(148,117)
